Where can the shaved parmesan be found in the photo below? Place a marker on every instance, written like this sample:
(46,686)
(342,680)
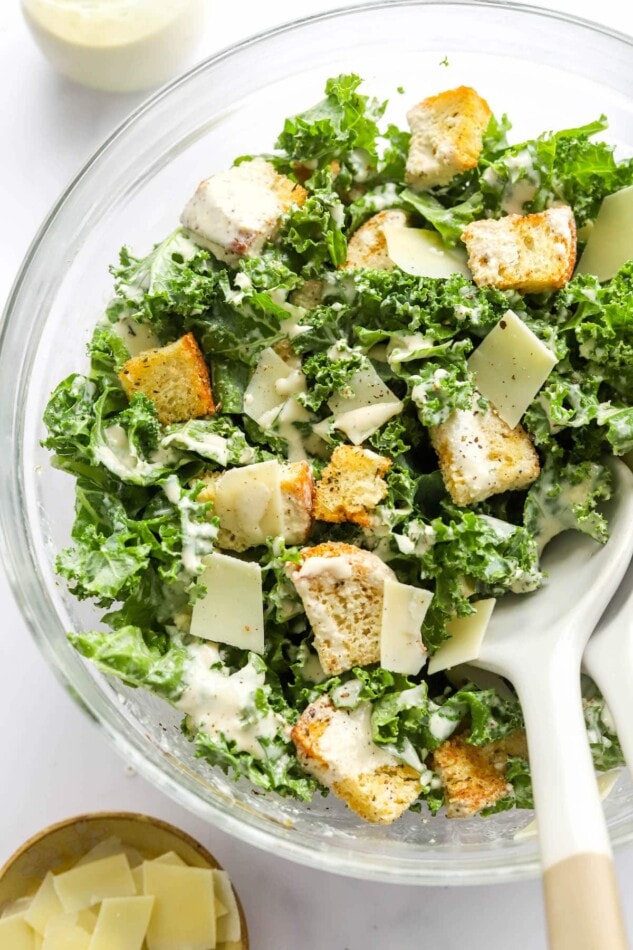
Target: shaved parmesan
(103,849)
(64,933)
(249,505)
(269,387)
(466,637)
(90,883)
(610,242)
(510,365)
(122,923)
(45,904)
(183,911)
(371,405)
(229,927)
(16,934)
(403,611)
(231,611)
(422,253)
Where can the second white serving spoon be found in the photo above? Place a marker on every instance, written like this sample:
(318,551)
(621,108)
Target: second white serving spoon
(537,643)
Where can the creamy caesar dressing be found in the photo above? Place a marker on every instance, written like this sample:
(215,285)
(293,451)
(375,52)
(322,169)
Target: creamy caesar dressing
(348,748)
(441,725)
(116,45)
(220,703)
(197,537)
(120,457)
(209,445)
(138,337)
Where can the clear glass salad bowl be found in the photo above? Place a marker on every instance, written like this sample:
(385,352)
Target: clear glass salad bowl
(546,71)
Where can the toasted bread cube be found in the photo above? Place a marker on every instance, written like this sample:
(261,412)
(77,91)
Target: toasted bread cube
(296,483)
(351,485)
(480,455)
(367,246)
(473,777)
(234,213)
(336,746)
(175,377)
(533,253)
(447,133)
(308,295)
(342,588)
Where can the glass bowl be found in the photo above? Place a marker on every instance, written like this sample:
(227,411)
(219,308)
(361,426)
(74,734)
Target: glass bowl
(547,71)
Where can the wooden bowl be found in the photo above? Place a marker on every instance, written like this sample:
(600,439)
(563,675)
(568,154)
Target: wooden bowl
(57,847)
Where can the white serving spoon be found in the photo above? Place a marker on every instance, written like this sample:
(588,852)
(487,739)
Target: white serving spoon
(537,642)
(608,659)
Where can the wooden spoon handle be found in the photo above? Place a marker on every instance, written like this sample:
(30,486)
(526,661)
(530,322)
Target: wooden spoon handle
(582,905)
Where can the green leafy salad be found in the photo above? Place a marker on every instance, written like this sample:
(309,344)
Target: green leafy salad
(333,417)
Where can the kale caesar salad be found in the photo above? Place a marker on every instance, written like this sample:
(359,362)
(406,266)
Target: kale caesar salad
(330,420)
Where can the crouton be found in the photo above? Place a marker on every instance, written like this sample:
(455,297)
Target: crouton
(367,246)
(335,745)
(175,377)
(308,295)
(480,455)
(447,133)
(341,587)
(471,777)
(533,253)
(351,485)
(234,213)
(241,526)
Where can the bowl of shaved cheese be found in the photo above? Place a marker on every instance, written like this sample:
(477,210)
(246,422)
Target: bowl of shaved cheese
(118,879)
(301,376)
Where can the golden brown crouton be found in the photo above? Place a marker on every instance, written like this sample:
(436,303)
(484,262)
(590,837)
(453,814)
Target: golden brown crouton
(447,134)
(351,485)
(533,253)
(175,377)
(367,246)
(473,777)
(342,587)
(294,521)
(234,213)
(335,745)
(480,455)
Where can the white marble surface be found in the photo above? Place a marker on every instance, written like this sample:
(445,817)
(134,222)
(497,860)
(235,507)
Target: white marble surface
(54,763)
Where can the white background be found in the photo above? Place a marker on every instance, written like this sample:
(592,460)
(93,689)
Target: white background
(54,763)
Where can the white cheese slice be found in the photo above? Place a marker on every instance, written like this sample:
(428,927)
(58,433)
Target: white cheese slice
(20,906)
(103,849)
(64,933)
(231,611)
(266,392)
(372,404)
(16,933)
(229,927)
(248,502)
(183,913)
(466,637)
(170,857)
(422,253)
(122,923)
(610,242)
(403,610)
(605,781)
(90,883)
(45,904)
(510,365)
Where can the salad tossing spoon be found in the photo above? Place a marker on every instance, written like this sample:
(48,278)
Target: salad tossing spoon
(608,659)
(537,643)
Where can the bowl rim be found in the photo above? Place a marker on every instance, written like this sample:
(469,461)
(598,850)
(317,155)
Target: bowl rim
(134,817)
(340,861)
